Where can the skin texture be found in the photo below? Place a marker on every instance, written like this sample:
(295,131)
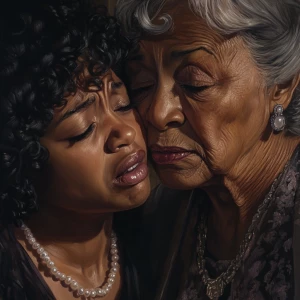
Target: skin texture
(78,185)
(213,103)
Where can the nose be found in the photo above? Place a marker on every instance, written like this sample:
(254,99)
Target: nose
(165,108)
(121,135)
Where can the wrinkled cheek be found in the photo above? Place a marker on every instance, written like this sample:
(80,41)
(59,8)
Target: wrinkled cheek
(218,143)
(226,150)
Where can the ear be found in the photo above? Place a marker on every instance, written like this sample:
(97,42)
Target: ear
(283,93)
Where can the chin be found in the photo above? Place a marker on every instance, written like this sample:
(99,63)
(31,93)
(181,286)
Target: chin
(179,181)
(134,196)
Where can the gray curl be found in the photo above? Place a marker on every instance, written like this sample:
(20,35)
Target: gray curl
(270,29)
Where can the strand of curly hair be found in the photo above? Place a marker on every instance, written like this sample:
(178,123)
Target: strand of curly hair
(40,44)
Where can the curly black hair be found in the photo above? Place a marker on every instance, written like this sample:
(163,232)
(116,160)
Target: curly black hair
(40,43)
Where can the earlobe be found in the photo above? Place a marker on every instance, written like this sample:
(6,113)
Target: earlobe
(283,93)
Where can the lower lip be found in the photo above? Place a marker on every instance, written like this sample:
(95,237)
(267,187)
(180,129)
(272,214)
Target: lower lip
(166,158)
(133,177)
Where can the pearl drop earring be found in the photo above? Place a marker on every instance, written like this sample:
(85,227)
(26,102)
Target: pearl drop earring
(277,118)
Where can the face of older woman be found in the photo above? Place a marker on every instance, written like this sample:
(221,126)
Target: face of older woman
(97,152)
(201,98)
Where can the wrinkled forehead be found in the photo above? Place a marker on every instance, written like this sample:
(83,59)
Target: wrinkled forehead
(187,28)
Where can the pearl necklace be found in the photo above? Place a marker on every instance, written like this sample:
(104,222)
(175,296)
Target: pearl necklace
(68,281)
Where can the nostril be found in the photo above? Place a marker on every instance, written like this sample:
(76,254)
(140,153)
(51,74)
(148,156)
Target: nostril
(175,124)
(121,146)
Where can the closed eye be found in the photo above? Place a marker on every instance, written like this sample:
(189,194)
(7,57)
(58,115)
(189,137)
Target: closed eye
(193,88)
(82,136)
(135,92)
(125,108)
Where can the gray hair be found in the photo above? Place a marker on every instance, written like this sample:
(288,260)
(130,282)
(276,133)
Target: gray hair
(270,29)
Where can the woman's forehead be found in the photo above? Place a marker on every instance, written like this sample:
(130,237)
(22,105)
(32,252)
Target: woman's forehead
(186,29)
(173,45)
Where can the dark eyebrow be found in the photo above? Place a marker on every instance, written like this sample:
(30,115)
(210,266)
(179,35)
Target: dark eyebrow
(77,109)
(177,54)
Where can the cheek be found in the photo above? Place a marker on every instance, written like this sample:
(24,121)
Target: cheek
(76,169)
(142,106)
(225,129)
(136,122)
(216,140)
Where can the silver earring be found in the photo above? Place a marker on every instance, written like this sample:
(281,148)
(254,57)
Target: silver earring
(277,118)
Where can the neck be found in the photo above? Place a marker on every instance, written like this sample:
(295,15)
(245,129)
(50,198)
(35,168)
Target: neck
(77,240)
(237,195)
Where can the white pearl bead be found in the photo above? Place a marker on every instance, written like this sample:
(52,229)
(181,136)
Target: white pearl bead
(114,251)
(68,280)
(44,255)
(80,291)
(109,285)
(114,264)
(28,235)
(53,270)
(62,277)
(57,275)
(74,285)
(112,275)
(87,293)
(111,280)
(31,240)
(35,245)
(114,270)
(279,109)
(99,292)
(93,293)
(279,122)
(113,241)
(46,259)
(50,264)
(40,250)
(113,245)
(115,257)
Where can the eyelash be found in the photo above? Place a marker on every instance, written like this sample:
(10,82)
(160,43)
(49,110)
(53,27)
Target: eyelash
(83,135)
(89,130)
(194,89)
(125,108)
(137,92)
(188,88)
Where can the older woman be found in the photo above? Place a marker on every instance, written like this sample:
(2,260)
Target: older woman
(217,86)
(71,154)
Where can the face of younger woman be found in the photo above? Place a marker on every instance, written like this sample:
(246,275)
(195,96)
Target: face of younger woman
(97,152)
